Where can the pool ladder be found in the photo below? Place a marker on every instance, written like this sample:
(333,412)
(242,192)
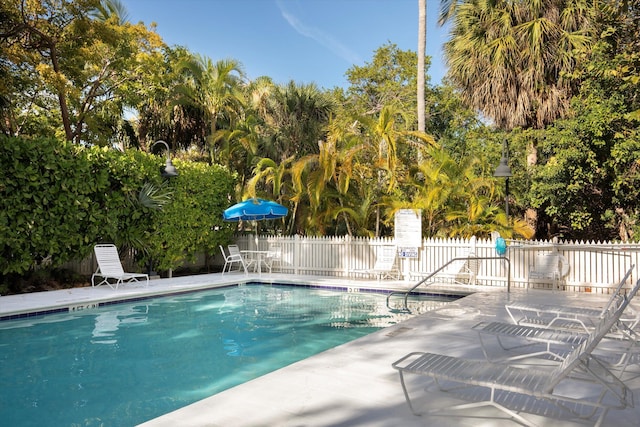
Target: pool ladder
(406,294)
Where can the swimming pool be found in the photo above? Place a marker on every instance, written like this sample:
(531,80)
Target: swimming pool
(127,363)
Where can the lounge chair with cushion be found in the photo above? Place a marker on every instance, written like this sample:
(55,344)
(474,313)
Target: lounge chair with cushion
(110,268)
(581,386)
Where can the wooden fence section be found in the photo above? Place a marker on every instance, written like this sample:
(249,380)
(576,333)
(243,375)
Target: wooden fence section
(593,267)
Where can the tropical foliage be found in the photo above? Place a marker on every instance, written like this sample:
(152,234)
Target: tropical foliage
(60,199)
(556,80)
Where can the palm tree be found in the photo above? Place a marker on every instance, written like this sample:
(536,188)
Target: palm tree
(217,88)
(111,9)
(511,58)
(422,46)
(455,200)
(273,176)
(297,115)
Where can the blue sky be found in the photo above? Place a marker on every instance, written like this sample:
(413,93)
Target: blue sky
(308,41)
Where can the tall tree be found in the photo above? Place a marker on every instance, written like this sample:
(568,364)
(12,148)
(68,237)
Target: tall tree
(512,59)
(586,185)
(218,89)
(153,98)
(422,48)
(297,115)
(82,63)
(388,80)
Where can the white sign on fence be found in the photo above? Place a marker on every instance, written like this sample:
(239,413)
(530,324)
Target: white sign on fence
(408,252)
(408,232)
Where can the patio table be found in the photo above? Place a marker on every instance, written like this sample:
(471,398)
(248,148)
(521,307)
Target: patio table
(257,259)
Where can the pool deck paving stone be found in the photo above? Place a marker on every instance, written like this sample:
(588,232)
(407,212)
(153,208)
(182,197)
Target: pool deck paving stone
(352,384)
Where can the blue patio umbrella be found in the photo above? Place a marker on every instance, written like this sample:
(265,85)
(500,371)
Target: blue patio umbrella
(255,210)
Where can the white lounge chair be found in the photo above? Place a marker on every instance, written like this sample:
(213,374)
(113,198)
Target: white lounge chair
(529,342)
(110,268)
(385,265)
(552,337)
(580,386)
(556,340)
(550,267)
(558,316)
(234,257)
(462,270)
(517,337)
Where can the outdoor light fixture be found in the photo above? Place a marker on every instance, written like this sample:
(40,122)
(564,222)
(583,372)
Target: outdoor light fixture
(168,170)
(504,171)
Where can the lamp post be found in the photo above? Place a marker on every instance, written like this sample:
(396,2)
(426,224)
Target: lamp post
(168,170)
(503,171)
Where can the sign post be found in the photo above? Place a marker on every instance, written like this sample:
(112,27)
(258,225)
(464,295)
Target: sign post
(408,235)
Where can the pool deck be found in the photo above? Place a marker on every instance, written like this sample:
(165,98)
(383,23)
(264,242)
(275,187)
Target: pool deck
(352,384)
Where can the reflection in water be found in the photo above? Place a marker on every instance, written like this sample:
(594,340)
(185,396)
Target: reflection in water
(107,324)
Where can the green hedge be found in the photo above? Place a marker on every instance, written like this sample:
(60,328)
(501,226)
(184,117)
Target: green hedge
(192,223)
(57,200)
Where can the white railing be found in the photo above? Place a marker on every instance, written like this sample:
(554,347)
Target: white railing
(593,266)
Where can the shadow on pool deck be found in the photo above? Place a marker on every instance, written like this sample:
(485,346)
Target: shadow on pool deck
(352,384)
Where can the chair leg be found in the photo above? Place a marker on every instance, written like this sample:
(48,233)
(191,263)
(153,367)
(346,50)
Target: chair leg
(406,394)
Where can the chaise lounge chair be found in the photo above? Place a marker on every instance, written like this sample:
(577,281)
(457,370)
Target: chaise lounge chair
(462,270)
(558,316)
(526,339)
(385,266)
(550,267)
(580,386)
(556,340)
(110,267)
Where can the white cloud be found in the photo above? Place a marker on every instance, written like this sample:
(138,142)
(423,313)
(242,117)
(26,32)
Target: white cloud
(319,36)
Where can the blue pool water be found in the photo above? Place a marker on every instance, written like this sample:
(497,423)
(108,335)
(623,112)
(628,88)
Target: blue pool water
(124,364)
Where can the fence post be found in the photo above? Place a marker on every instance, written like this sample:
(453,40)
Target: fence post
(296,254)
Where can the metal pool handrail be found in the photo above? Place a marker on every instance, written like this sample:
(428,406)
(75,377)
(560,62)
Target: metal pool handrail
(406,293)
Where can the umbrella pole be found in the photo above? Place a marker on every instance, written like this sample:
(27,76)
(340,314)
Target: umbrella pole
(255,227)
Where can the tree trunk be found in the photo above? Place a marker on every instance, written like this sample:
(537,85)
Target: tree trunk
(422,46)
(62,95)
(531,214)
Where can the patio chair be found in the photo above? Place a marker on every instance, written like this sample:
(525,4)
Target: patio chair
(274,257)
(463,270)
(110,268)
(558,316)
(549,267)
(580,386)
(234,257)
(385,265)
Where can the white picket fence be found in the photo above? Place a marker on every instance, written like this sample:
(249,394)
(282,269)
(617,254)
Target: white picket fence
(593,266)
